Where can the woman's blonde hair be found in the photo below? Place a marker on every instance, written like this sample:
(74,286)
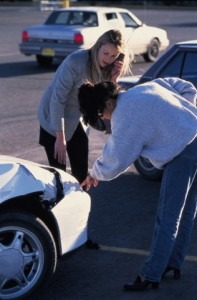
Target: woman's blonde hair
(113,36)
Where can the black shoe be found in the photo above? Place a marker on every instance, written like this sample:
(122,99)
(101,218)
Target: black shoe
(140,285)
(176,272)
(91,245)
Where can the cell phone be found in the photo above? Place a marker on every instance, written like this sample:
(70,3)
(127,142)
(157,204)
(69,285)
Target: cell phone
(120,57)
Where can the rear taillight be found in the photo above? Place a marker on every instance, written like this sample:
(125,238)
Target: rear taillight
(25,36)
(78,38)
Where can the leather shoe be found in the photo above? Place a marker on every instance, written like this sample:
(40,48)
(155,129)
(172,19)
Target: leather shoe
(140,285)
(176,272)
(92,245)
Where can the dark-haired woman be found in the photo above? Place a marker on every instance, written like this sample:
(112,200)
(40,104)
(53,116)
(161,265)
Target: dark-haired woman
(156,120)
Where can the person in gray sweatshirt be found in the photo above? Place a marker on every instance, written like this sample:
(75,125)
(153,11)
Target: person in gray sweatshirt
(59,117)
(158,121)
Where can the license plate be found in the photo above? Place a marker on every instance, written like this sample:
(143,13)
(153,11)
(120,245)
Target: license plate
(48,52)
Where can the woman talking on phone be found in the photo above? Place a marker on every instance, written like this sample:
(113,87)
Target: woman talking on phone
(60,128)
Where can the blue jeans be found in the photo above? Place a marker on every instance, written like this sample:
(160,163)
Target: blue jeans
(176,213)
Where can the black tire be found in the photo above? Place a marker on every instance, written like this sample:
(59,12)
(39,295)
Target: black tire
(147,170)
(152,51)
(44,61)
(28,255)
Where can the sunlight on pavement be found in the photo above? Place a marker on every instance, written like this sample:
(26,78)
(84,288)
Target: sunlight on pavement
(137,252)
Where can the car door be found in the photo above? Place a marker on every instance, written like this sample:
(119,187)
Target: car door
(183,65)
(137,35)
(132,30)
(112,20)
(189,70)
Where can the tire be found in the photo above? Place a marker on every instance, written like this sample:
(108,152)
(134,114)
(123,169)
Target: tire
(146,169)
(28,255)
(44,61)
(152,51)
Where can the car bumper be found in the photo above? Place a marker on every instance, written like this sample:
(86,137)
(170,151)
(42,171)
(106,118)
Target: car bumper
(70,211)
(74,224)
(48,49)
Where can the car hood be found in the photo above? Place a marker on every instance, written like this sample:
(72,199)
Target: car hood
(20,177)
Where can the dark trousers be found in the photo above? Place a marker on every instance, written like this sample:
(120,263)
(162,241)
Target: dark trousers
(77,150)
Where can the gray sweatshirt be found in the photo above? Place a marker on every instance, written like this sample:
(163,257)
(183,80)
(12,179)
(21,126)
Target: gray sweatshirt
(59,109)
(153,120)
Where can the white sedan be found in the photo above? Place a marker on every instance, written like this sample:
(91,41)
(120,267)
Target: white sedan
(70,29)
(43,215)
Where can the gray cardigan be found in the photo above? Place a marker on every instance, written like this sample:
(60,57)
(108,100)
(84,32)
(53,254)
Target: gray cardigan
(59,109)
(153,120)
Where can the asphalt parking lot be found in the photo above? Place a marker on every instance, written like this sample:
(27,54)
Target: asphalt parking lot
(121,220)
(123,210)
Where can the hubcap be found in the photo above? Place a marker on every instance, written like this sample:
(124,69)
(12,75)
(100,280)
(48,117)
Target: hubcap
(11,262)
(21,261)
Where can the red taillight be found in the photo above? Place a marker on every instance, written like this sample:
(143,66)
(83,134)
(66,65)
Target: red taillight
(25,36)
(78,38)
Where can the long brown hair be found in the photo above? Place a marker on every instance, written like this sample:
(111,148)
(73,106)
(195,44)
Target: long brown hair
(113,36)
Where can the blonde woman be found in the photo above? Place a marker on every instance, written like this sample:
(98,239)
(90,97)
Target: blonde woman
(59,115)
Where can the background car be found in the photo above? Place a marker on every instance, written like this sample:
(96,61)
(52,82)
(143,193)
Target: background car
(70,29)
(43,215)
(180,60)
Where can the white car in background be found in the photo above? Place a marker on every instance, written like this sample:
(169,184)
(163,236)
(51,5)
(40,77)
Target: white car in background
(69,29)
(43,215)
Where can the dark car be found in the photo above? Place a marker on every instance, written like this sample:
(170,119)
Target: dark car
(178,61)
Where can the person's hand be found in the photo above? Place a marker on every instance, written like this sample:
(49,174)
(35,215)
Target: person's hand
(89,181)
(116,71)
(60,150)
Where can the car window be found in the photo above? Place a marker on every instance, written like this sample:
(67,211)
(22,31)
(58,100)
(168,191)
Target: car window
(73,18)
(174,66)
(112,19)
(57,17)
(189,71)
(90,19)
(129,22)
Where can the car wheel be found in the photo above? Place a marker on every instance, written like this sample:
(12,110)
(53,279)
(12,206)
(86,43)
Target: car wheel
(44,61)
(27,255)
(147,170)
(152,51)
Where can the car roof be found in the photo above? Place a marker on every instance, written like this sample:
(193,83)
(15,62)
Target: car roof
(93,8)
(190,42)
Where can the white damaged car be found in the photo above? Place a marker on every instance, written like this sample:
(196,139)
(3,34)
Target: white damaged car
(43,215)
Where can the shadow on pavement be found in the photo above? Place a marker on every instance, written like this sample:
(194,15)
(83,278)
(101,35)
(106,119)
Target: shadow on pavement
(14,69)
(121,221)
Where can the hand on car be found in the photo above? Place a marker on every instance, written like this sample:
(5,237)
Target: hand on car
(89,181)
